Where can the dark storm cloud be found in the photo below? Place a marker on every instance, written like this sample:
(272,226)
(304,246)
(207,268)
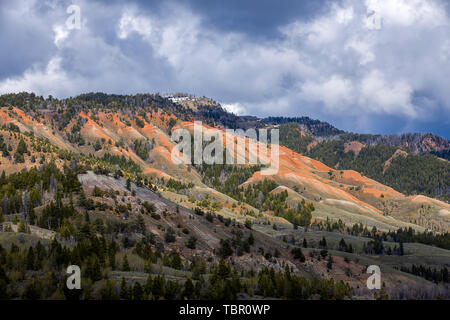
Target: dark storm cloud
(22,44)
(352,63)
(257,18)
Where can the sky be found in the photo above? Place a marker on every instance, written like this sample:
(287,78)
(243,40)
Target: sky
(367,66)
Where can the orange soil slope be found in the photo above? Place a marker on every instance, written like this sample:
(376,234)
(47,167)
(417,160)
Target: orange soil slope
(319,181)
(27,124)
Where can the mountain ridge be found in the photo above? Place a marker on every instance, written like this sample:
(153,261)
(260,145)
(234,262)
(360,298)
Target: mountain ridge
(125,130)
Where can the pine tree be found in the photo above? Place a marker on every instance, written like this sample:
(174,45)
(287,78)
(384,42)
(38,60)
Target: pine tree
(93,269)
(189,290)
(330,263)
(30,259)
(225,250)
(124,290)
(3,178)
(298,254)
(32,216)
(86,217)
(21,150)
(251,239)
(323,243)
(125,265)
(108,291)
(22,227)
(158,287)
(3,289)
(445,277)
(342,245)
(32,291)
(137,291)
(192,242)
(141,224)
(148,285)
(350,248)
(112,258)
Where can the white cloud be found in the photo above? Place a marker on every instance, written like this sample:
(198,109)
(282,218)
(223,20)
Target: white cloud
(235,108)
(335,92)
(408,13)
(61,33)
(382,96)
(374,61)
(344,15)
(364,50)
(131,22)
(39,80)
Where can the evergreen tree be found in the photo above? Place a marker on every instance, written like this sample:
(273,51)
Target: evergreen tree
(330,263)
(32,291)
(137,291)
(158,286)
(342,245)
(189,290)
(124,290)
(192,242)
(298,254)
(108,291)
(251,239)
(323,243)
(30,259)
(125,265)
(148,285)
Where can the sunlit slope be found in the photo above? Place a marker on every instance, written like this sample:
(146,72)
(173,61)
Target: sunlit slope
(115,133)
(336,194)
